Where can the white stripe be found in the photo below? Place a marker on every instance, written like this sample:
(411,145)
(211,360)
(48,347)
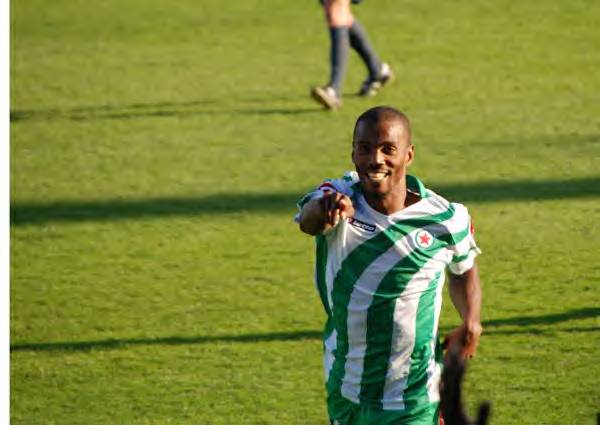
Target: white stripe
(434,370)
(328,358)
(465,265)
(466,246)
(403,336)
(403,341)
(422,209)
(339,245)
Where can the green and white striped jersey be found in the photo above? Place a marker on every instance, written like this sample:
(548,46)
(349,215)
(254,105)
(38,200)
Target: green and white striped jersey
(380,279)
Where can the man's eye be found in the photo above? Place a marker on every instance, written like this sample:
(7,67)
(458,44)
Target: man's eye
(388,150)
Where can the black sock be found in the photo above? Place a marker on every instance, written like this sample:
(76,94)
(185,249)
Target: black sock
(338,56)
(360,42)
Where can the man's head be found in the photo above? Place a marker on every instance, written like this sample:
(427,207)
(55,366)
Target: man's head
(381,150)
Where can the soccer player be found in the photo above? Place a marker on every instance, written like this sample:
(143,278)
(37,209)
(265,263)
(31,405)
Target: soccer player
(344,32)
(383,245)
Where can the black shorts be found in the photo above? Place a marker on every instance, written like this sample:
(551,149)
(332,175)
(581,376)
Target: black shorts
(353,1)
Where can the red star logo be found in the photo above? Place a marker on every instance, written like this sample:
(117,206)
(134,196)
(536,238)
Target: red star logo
(424,239)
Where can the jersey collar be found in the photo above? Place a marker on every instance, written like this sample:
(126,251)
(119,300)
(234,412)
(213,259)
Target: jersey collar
(413,184)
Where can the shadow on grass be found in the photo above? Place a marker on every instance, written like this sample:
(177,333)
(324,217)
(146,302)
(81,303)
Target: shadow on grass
(548,319)
(158,109)
(23,213)
(520,190)
(528,323)
(119,209)
(119,343)
(525,321)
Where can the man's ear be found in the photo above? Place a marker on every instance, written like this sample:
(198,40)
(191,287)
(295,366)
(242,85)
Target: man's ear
(410,154)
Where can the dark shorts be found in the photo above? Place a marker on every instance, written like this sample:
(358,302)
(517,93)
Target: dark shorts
(353,1)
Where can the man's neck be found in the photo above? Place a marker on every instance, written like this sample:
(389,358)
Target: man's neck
(392,202)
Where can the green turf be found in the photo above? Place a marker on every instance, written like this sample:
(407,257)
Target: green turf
(157,151)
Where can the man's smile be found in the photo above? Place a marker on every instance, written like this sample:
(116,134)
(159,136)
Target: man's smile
(377,176)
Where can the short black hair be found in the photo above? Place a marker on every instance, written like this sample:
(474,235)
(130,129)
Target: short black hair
(383,113)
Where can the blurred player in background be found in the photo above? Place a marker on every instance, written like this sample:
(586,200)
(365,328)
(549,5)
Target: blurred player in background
(344,32)
(384,244)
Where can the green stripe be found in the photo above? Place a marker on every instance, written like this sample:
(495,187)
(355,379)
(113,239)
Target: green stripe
(415,394)
(321,271)
(453,238)
(380,320)
(459,258)
(352,268)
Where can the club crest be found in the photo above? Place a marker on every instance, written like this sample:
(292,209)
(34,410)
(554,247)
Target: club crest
(423,239)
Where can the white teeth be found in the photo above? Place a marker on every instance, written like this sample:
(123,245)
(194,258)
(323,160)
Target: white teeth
(377,177)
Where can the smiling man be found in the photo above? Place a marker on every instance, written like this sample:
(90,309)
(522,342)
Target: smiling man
(384,244)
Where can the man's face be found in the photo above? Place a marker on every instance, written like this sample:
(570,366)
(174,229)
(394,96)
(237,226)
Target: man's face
(381,152)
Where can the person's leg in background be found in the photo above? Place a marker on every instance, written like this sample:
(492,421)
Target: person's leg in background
(344,32)
(380,73)
(339,20)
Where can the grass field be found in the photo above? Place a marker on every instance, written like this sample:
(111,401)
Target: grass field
(157,152)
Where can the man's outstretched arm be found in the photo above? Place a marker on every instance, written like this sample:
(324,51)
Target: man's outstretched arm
(465,292)
(322,214)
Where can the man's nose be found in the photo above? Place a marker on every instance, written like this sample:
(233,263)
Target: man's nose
(377,157)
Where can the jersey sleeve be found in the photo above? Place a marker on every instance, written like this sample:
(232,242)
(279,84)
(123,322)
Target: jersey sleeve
(343,185)
(465,249)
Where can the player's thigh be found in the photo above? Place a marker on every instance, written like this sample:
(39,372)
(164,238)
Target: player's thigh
(338,13)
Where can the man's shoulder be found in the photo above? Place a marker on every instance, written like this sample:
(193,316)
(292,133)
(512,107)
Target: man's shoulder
(347,184)
(459,210)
